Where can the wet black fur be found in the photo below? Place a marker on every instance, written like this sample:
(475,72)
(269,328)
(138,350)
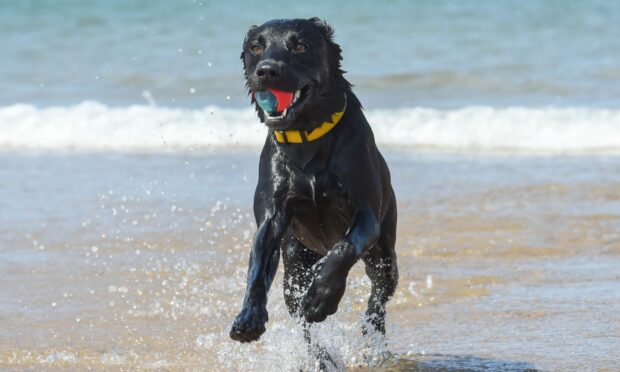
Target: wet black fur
(324,204)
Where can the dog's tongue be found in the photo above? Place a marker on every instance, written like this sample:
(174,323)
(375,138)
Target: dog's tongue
(273,100)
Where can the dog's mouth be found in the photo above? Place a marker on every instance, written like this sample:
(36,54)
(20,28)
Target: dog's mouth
(279,105)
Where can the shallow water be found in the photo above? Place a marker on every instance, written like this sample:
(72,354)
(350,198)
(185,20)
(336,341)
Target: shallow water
(138,261)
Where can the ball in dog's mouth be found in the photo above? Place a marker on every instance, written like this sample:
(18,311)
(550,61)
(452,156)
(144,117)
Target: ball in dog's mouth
(276,103)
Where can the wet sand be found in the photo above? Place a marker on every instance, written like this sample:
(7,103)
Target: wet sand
(137,261)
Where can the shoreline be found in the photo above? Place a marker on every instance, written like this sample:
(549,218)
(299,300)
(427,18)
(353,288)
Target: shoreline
(138,261)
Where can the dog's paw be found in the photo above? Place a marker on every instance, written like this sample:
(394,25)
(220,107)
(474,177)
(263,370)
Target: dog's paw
(249,325)
(323,296)
(374,323)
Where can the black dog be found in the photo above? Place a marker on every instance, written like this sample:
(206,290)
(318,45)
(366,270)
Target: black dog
(324,195)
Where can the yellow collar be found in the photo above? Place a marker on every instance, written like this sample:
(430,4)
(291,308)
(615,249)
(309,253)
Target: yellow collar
(302,136)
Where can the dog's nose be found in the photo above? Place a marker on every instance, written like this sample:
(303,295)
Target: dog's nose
(268,70)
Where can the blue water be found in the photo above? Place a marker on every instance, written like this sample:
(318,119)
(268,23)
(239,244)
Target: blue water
(522,250)
(443,54)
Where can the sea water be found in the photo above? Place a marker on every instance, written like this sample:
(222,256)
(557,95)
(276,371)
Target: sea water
(128,159)
(399,53)
(479,74)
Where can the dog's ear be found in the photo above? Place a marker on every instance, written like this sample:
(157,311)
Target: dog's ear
(328,32)
(326,29)
(245,40)
(334,52)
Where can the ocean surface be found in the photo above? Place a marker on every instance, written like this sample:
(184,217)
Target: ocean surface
(399,53)
(128,159)
(524,75)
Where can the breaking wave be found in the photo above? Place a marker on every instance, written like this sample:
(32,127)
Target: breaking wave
(94,126)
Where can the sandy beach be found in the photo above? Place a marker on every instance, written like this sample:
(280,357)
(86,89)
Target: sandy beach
(138,261)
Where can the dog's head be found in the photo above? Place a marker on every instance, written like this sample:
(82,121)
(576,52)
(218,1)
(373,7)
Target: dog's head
(292,71)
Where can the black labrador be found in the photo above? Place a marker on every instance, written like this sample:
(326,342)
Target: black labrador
(324,196)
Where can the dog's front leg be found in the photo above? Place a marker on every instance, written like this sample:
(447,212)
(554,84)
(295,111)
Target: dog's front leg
(249,325)
(328,286)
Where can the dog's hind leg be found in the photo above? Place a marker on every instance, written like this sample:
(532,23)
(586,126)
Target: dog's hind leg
(299,270)
(298,262)
(382,270)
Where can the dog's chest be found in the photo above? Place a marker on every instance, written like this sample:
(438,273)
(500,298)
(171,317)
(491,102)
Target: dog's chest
(322,211)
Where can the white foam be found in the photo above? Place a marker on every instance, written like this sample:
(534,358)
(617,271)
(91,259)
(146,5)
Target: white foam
(93,126)
(518,129)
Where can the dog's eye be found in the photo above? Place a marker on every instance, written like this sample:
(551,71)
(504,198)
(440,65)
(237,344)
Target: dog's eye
(300,48)
(256,49)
